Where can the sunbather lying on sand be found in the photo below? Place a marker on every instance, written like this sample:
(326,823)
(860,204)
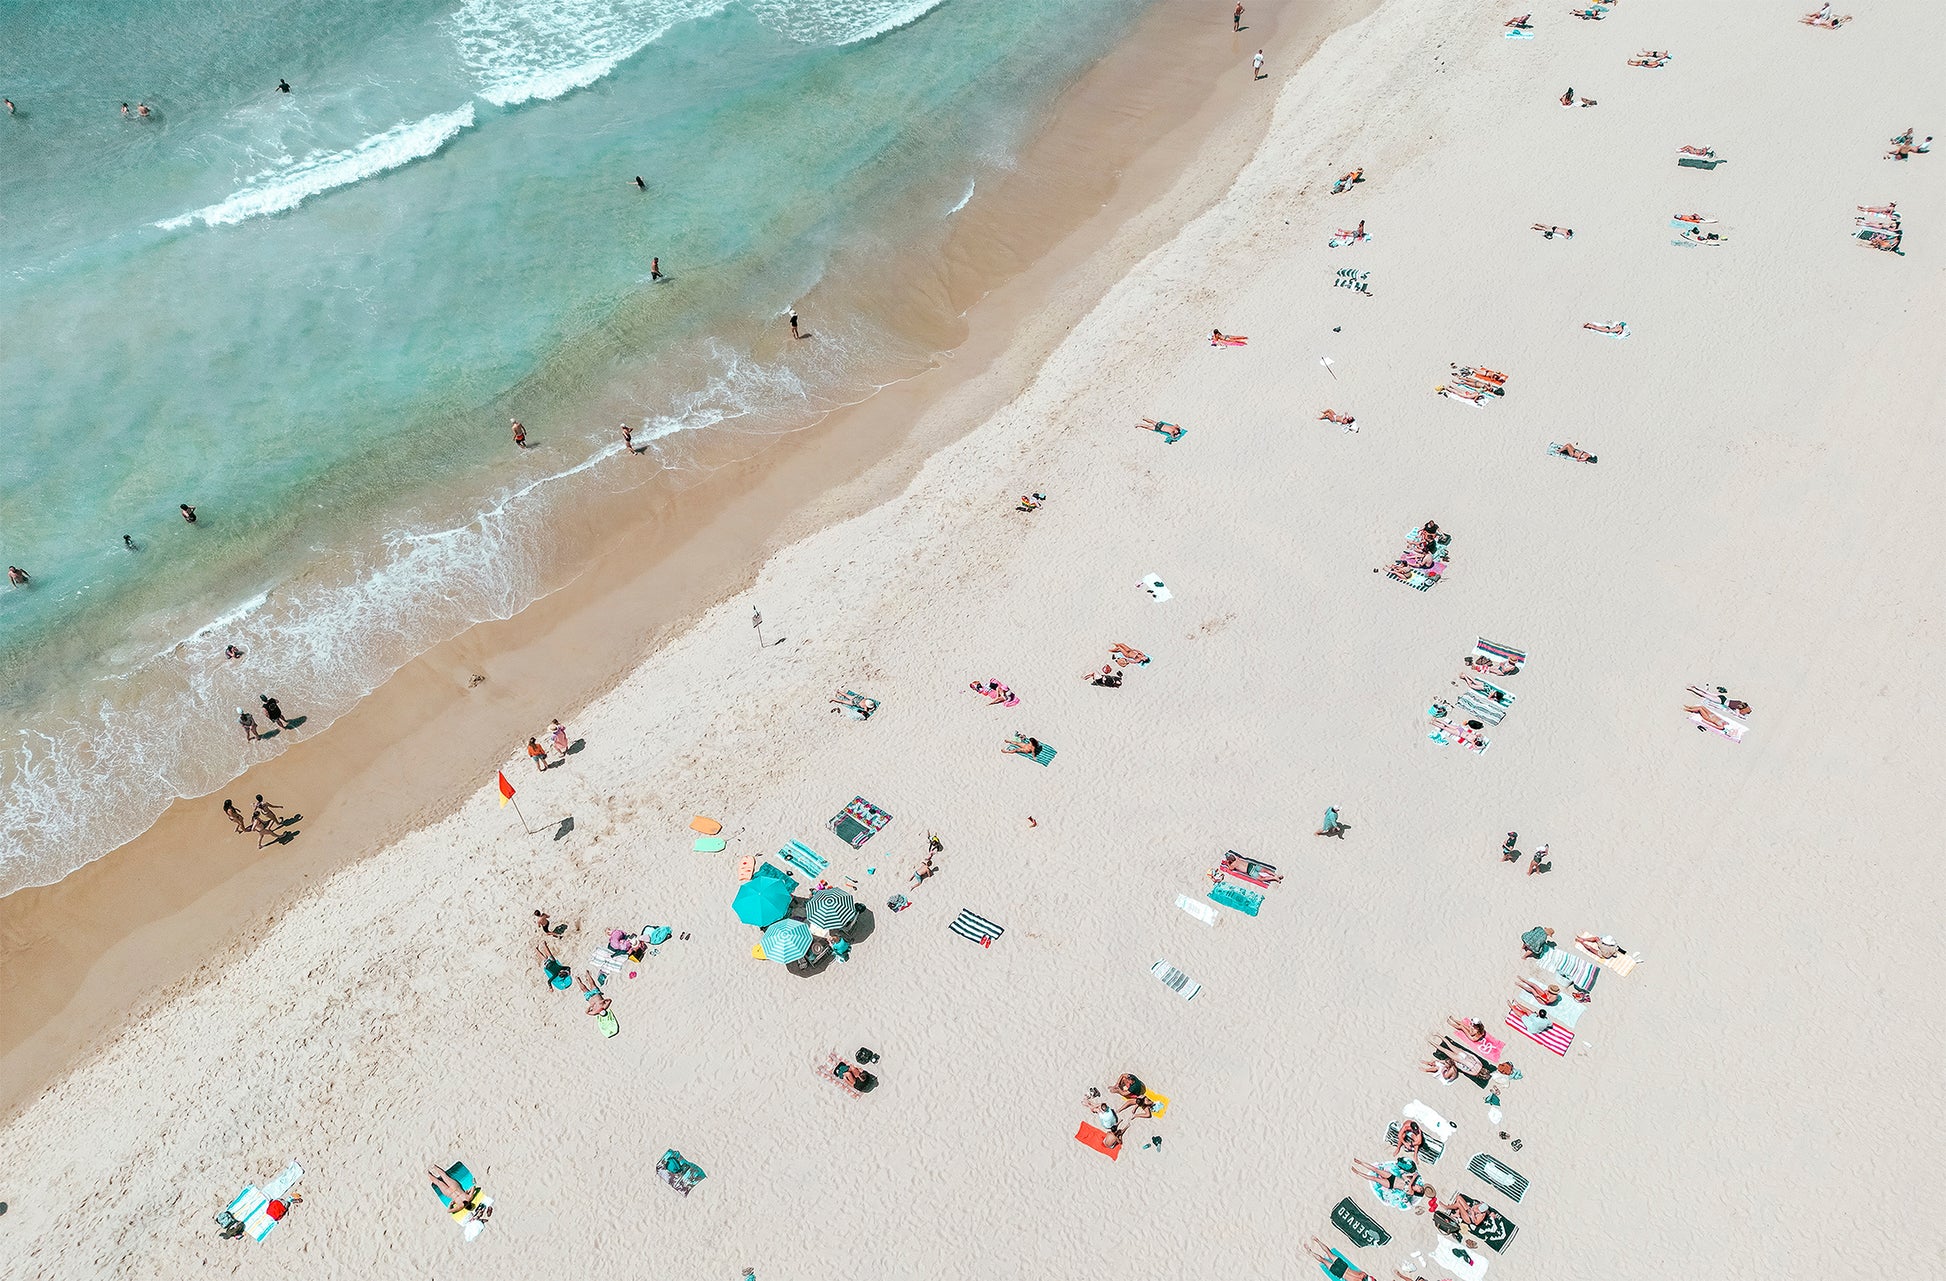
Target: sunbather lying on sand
(993,691)
(1549,995)
(1648,62)
(1021,745)
(1481,663)
(1124,655)
(1621,327)
(1463,1059)
(1688,150)
(1217,337)
(1333,416)
(1575,452)
(1461,393)
(1406,1181)
(1168,431)
(1900,150)
(1709,718)
(1601,945)
(1251,868)
(1471,1029)
(1593,13)
(1441,1067)
(1549,232)
(1332,1264)
(859,701)
(459,1196)
(1028,502)
(1346,181)
(1521,23)
(591,993)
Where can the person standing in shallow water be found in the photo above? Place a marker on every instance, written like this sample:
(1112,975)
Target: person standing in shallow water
(188,512)
(655,269)
(639,184)
(520,433)
(794,332)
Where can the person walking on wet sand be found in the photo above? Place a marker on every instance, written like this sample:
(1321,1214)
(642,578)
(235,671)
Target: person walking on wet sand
(1257,66)
(520,433)
(265,811)
(628,438)
(537,754)
(794,333)
(273,711)
(235,815)
(249,724)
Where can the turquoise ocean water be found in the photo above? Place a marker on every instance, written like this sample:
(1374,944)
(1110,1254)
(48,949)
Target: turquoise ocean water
(311,315)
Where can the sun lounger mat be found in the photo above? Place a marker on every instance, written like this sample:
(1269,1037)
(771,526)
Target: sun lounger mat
(1350,1218)
(1505,1178)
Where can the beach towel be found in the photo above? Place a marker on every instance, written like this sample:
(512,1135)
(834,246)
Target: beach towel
(1340,1266)
(1505,653)
(1622,963)
(775,872)
(1430,1121)
(1350,1218)
(1158,1103)
(707,845)
(969,925)
(1446,1052)
(800,855)
(472,1227)
(1518,34)
(1044,756)
(1492,1170)
(1197,908)
(603,959)
(1491,713)
(1175,980)
(1467,1265)
(1487,1048)
(1429,1147)
(1697,162)
(252,1205)
(859,822)
(707,826)
(1093,1136)
(681,1175)
(1339,242)
(1578,971)
(1244,901)
(746,867)
(1495,1232)
(1251,863)
(1153,586)
(1555,1039)
(1566,1011)
(1397,1198)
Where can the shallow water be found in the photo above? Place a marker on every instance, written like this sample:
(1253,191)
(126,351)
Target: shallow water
(312,316)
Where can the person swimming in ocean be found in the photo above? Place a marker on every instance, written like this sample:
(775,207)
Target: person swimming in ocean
(188,512)
(639,184)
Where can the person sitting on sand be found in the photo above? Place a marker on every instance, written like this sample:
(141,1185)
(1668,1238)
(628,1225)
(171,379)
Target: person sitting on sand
(1102,1113)
(1107,677)
(1471,1029)
(1440,1066)
(1412,1137)
(1333,1265)
(1567,99)
(1022,745)
(1601,945)
(1168,431)
(1130,1087)
(596,998)
(461,1198)
(1537,942)
(1470,1213)
(924,870)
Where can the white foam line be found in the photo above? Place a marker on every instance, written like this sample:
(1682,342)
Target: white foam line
(287,186)
(963,199)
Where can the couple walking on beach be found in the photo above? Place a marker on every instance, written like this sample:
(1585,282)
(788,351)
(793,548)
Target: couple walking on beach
(265,819)
(557,736)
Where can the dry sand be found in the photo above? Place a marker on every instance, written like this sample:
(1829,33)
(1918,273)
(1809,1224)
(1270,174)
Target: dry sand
(1751,523)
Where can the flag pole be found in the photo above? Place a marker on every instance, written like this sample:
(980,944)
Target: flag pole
(757,621)
(524,829)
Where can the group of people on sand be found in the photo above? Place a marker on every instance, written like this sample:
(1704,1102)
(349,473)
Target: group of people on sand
(1903,146)
(1537,862)
(560,977)
(1425,550)
(1107,1114)
(557,738)
(1650,58)
(1110,675)
(1823,17)
(265,819)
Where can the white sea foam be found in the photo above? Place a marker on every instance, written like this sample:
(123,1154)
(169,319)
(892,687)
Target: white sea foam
(522,50)
(838,22)
(287,185)
(964,199)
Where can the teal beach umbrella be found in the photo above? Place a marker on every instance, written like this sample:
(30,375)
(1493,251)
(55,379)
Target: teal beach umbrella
(787,941)
(762,900)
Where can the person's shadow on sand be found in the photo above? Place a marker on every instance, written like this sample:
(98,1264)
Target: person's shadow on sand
(575,746)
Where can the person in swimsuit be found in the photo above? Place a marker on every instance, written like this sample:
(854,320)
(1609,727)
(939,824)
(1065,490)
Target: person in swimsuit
(628,438)
(655,269)
(17,576)
(1472,1029)
(264,810)
(188,512)
(596,998)
(273,711)
(520,433)
(283,85)
(1333,1264)
(249,724)
(1125,655)
(639,184)
(1021,745)
(1250,867)
(1130,1087)
(235,815)
(1440,1066)
(1601,946)
(231,651)
(461,1199)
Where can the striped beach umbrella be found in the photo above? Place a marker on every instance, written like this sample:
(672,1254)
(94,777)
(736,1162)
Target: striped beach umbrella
(761,900)
(831,909)
(787,941)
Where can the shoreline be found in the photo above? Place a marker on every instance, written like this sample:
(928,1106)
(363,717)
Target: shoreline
(168,907)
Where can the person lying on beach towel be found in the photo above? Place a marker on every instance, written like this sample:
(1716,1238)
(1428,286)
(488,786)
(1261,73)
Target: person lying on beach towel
(1481,663)
(1620,327)
(1335,1264)
(1575,452)
(1649,60)
(857,702)
(597,999)
(1124,655)
(1601,945)
(461,1199)
(993,691)
(1406,1181)
(1347,181)
(1412,1137)
(1709,719)
(1217,338)
(1521,23)
(1168,431)
(1021,745)
(1251,868)
(1549,232)
(1345,421)
(1901,148)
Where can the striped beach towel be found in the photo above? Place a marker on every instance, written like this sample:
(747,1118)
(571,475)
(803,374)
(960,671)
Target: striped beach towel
(1579,971)
(1555,1038)
(1500,1175)
(1491,713)
(1175,980)
(803,856)
(969,925)
(1505,653)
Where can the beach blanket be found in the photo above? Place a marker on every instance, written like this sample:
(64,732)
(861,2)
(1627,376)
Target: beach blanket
(1397,1198)
(1244,901)
(1697,162)
(1518,34)
(1504,653)
(800,855)
(471,1227)
(1555,1038)
(859,822)
(1339,242)
(1491,713)
(1579,971)
(1197,908)
(681,1175)
(1430,1121)
(252,1205)
(1467,1265)
(1429,1147)
(969,925)
(1175,980)
(603,959)
(1492,1170)
(1350,1218)
(1340,1265)
(1093,1136)
(1495,1232)
(1152,584)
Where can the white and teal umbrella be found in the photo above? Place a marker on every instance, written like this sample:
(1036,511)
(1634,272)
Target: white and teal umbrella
(831,909)
(787,941)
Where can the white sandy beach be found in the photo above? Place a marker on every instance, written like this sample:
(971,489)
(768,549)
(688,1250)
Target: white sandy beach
(1755,521)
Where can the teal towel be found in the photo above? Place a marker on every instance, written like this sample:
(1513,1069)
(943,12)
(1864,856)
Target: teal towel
(1245,901)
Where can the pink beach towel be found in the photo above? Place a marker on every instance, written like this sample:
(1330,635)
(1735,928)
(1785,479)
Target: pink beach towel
(1487,1048)
(1555,1037)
